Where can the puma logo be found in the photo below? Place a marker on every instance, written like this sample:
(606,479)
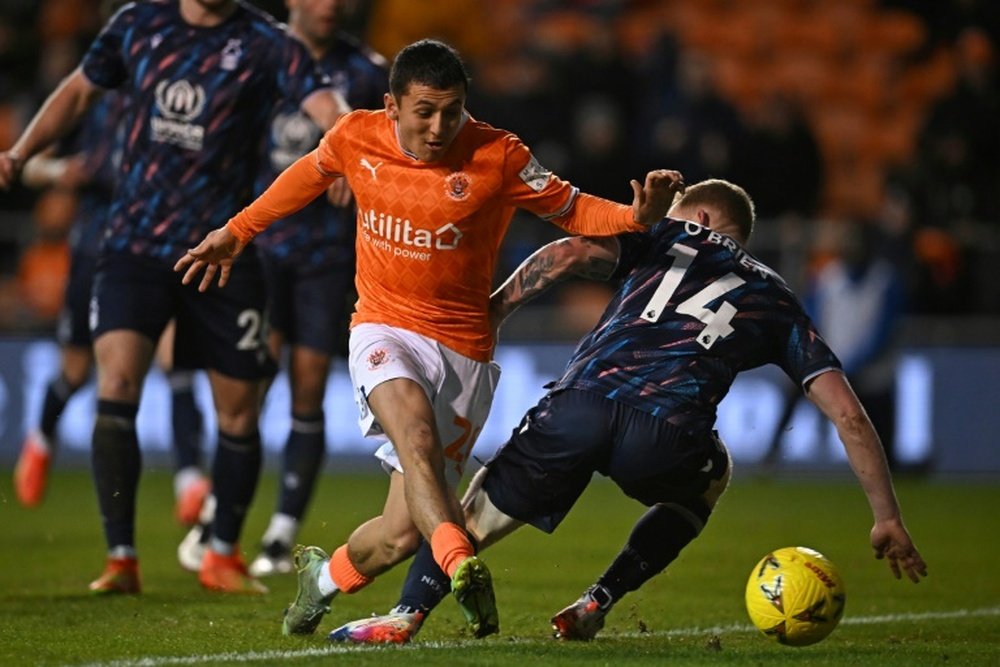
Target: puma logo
(708,466)
(368,165)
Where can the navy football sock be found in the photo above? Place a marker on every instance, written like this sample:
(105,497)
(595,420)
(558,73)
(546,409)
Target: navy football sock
(655,542)
(57,395)
(234,480)
(426,584)
(186,419)
(116,464)
(302,460)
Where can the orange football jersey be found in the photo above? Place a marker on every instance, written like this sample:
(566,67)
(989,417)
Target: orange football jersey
(429,232)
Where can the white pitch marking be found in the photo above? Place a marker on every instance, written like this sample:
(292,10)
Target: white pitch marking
(272,656)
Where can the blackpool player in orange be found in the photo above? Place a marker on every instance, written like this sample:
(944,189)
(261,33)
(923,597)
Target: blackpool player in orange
(435,191)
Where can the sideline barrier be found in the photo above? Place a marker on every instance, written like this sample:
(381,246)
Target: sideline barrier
(946,406)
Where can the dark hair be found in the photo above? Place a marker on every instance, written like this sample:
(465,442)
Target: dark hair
(733,202)
(429,62)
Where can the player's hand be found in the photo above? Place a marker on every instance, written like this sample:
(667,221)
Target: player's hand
(215,253)
(892,542)
(76,172)
(339,193)
(10,169)
(652,200)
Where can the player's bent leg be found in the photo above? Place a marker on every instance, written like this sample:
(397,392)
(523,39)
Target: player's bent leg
(388,539)
(404,411)
(406,416)
(483,519)
(426,585)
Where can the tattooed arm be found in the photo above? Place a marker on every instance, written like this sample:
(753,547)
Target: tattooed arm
(593,258)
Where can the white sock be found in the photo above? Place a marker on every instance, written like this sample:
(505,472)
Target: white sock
(283,528)
(184,477)
(222,548)
(122,551)
(325,581)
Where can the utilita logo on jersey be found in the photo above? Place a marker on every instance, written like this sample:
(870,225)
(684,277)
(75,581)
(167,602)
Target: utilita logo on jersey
(402,239)
(179,102)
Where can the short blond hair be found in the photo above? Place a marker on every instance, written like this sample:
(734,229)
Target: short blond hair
(732,202)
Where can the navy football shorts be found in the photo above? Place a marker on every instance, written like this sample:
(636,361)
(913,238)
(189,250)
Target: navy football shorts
(74,320)
(538,475)
(223,329)
(311,307)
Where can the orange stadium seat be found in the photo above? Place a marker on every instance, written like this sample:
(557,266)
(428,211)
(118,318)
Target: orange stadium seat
(895,32)
(927,81)
(640,29)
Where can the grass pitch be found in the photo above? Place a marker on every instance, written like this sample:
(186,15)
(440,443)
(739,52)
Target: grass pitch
(691,615)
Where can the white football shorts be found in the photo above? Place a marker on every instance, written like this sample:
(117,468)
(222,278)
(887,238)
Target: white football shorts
(460,389)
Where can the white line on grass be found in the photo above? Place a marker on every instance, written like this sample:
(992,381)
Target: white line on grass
(850,620)
(274,656)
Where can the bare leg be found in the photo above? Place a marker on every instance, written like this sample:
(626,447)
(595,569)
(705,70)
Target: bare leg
(390,538)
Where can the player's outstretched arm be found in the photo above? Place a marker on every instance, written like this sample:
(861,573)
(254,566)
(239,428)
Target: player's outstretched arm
(652,200)
(594,258)
(216,253)
(833,395)
(58,115)
(325,107)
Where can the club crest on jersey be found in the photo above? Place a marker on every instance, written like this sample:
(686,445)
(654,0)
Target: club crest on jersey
(456,185)
(231,55)
(534,175)
(377,358)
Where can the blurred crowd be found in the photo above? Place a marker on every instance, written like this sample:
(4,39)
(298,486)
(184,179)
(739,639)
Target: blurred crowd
(844,119)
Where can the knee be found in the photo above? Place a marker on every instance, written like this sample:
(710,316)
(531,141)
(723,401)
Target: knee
(118,386)
(238,421)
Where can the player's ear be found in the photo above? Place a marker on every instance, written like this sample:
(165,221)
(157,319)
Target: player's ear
(391,109)
(703,217)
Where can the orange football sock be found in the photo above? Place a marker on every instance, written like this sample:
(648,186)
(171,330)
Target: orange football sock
(450,546)
(344,574)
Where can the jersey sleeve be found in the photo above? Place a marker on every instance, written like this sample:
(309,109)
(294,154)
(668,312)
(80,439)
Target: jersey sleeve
(631,247)
(806,354)
(290,192)
(330,152)
(531,186)
(104,62)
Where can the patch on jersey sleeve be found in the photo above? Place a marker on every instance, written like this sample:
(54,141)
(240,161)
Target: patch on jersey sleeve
(534,175)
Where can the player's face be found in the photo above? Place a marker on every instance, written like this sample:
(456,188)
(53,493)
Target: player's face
(316,19)
(214,5)
(429,118)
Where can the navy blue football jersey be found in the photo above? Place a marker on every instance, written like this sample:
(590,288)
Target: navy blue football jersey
(694,309)
(320,234)
(199,101)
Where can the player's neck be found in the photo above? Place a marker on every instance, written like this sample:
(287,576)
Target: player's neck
(317,48)
(201,15)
